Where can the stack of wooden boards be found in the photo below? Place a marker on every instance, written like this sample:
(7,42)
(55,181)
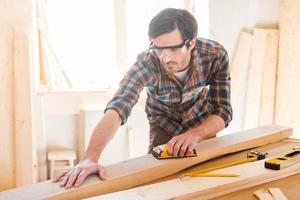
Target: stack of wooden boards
(134,172)
(265,73)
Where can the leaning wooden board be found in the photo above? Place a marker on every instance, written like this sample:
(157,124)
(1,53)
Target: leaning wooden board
(134,172)
(251,174)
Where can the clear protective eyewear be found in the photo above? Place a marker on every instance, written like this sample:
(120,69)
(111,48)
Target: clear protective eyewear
(173,49)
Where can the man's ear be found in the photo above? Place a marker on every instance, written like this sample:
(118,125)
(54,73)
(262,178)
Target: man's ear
(192,43)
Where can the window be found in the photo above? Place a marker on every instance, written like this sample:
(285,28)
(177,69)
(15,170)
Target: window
(84,35)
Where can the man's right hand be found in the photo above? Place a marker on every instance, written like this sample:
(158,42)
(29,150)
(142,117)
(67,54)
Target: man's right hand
(76,175)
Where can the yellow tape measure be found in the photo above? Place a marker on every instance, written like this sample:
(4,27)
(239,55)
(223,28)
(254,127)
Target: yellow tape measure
(284,160)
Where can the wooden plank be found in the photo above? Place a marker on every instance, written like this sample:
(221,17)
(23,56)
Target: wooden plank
(284,184)
(144,169)
(239,76)
(263,194)
(254,88)
(26,163)
(277,194)
(7,157)
(267,104)
(292,193)
(288,75)
(206,188)
(270,194)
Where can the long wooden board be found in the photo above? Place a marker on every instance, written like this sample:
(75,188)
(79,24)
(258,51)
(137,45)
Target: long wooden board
(134,172)
(7,156)
(267,104)
(251,174)
(25,149)
(239,76)
(261,81)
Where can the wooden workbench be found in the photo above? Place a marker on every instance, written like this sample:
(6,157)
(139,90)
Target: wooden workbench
(134,172)
(288,185)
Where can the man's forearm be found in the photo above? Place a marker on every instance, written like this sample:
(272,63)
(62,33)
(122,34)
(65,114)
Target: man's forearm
(208,128)
(102,134)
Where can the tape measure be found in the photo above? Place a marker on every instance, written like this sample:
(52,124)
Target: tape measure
(284,160)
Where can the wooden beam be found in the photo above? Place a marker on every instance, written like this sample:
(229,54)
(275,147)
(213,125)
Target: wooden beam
(288,75)
(251,174)
(134,172)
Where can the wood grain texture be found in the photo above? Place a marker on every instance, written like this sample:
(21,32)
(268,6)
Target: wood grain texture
(262,76)
(270,194)
(254,86)
(239,76)
(251,174)
(288,75)
(263,194)
(134,172)
(277,194)
(26,153)
(267,104)
(292,193)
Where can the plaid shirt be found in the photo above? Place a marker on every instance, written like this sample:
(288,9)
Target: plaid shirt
(173,106)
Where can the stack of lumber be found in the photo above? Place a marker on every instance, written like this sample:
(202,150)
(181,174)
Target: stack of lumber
(265,73)
(253,73)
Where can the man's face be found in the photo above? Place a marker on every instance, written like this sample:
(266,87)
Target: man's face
(173,51)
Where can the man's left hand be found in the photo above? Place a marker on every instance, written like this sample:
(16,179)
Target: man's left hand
(183,144)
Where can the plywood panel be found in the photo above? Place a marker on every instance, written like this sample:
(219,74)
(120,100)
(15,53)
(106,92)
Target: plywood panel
(7,163)
(144,169)
(288,74)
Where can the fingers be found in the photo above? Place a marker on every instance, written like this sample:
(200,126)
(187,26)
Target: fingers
(65,179)
(181,145)
(176,148)
(59,176)
(190,150)
(72,178)
(81,177)
(183,149)
(170,145)
(78,174)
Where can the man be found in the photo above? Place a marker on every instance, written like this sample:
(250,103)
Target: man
(188,89)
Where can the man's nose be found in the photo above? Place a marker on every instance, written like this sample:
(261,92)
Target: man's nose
(165,57)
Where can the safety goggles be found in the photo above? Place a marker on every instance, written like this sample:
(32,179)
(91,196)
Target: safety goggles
(173,49)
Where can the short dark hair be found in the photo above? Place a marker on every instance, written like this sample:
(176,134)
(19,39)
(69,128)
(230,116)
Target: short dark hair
(169,19)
